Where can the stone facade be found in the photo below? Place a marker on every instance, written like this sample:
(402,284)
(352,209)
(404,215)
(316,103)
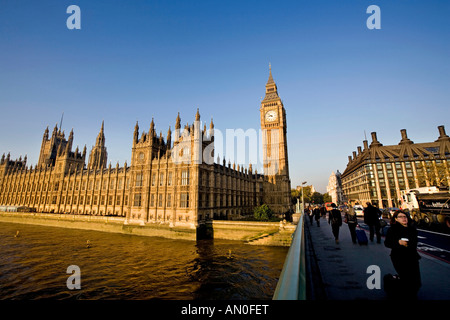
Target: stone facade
(334,188)
(277,184)
(378,173)
(176,183)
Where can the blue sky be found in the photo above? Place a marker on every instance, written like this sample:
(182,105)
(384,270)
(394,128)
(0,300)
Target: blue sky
(134,60)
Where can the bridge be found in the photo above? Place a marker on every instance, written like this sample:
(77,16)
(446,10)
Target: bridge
(316,268)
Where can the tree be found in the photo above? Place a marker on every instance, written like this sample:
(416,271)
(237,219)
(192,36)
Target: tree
(262,213)
(327,197)
(317,198)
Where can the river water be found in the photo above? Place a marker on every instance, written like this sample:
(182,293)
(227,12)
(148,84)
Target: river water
(34,265)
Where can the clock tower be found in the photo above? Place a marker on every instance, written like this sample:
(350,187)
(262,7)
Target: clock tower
(277,184)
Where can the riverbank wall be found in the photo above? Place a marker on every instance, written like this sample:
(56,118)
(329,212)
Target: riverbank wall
(253,233)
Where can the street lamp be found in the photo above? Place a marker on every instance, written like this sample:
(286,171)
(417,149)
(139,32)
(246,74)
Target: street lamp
(303,203)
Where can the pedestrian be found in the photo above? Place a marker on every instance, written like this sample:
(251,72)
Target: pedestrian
(372,219)
(309,213)
(351,220)
(323,211)
(401,237)
(335,219)
(316,214)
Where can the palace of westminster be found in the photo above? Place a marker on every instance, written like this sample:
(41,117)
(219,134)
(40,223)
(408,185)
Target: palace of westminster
(155,187)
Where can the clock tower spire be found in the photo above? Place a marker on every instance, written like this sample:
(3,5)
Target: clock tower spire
(277,184)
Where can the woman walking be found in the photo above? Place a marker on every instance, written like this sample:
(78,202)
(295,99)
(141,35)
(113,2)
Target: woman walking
(402,239)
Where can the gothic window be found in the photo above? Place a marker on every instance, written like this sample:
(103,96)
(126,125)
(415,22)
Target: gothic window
(152,200)
(185,177)
(184,200)
(169,179)
(138,179)
(137,200)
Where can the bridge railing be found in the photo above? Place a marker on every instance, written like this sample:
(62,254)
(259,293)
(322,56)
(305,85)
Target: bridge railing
(292,282)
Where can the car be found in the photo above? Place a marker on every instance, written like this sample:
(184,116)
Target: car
(388,212)
(359,210)
(328,206)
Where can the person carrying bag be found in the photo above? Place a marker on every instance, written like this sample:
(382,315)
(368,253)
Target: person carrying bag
(351,220)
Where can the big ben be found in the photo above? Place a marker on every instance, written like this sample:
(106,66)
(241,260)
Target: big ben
(277,184)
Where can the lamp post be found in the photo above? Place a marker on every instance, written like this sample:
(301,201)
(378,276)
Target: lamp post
(303,203)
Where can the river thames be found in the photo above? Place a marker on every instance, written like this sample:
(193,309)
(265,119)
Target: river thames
(33,265)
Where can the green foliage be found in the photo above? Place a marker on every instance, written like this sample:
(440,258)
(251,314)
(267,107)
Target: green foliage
(317,198)
(326,197)
(262,213)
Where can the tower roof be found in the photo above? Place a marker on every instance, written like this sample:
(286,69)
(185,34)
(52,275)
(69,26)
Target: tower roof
(270,81)
(271,88)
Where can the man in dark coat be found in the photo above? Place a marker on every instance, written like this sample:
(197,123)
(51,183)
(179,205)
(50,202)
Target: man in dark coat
(335,218)
(372,219)
(316,213)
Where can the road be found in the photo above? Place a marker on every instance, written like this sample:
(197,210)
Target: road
(433,243)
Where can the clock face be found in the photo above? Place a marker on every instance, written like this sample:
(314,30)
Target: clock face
(271,115)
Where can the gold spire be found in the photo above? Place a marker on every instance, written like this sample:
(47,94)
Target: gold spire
(270,81)
(271,88)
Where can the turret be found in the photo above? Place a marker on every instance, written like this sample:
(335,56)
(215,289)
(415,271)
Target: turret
(70,140)
(177,128)
(151,132)
(211,129)
(98,156)
(136,133)
(45,137)
(169,138)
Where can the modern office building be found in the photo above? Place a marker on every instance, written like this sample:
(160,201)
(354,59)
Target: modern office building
(377,173)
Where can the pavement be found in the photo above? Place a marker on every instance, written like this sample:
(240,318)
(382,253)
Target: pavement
(342,271)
